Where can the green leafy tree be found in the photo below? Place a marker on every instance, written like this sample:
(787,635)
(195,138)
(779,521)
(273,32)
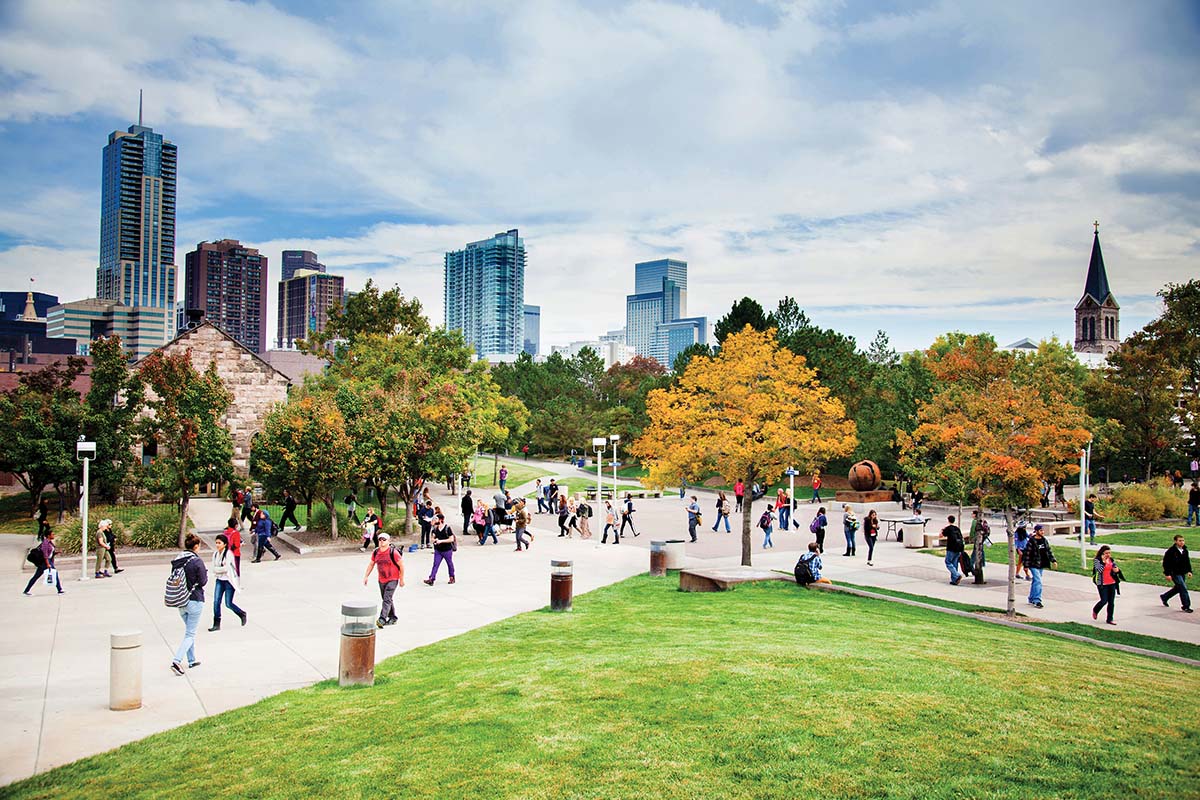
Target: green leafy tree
(746,311)
(186,408)
(1175,335)
(687,354)
(832,355)
(113,404)
(303,446)
(368,313)
(889,404)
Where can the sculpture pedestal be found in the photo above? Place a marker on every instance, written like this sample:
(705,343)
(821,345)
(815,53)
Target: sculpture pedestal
(876,496)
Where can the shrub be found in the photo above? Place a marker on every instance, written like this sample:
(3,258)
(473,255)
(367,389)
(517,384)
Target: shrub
(67,535)
(319,521)
(394,526)
(157,528)
(1147,502)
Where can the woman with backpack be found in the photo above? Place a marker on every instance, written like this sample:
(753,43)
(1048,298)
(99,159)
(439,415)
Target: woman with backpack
(42,558)
(564,516)
(871,534)
(722,512)
(817,526)
(194,577)
(390,564)
(224,570)
(1107,577)
(849,526)
(610,521)
(765,522)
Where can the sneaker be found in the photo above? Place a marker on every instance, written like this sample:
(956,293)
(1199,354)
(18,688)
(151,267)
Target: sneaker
(1095,615)
(1187,611)
(955,581)
(1110,622)
(108,574)
(1038,605)
(277,556)
(1164,601)
(115,571)
(60,591)
(428,581)
(193,664)
(869,564)
(176,667)
(452,580)
(98,575)
(27,594)
(379,623)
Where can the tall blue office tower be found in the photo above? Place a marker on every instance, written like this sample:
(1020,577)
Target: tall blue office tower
(484,294)
(137,226)
(656,325)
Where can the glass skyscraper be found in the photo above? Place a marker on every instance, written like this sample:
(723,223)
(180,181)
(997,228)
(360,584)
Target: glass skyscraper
(484,294)
(533,329)
(293,260)
(137,226)
(656,325)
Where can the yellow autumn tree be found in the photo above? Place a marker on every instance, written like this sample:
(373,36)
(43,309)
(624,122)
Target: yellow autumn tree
(748,412)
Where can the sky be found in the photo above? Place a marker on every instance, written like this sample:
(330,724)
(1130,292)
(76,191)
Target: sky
(912,167)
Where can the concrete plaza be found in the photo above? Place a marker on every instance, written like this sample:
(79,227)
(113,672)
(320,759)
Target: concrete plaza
(55,649)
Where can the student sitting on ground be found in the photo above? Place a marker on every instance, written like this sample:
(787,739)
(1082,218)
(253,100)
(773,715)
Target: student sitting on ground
(808,568)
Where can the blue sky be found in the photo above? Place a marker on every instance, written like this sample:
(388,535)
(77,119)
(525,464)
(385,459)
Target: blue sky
(916,167)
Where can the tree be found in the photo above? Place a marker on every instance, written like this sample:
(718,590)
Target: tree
(303,446)
(1175,335)
(185,421)
(369,312)
(832,355)
(889,402)
(113,404)
(748,412)
(746,311)
(687,354)
(984,431)
(43,417)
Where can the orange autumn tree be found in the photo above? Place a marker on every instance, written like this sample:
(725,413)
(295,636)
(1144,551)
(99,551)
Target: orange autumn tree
(748,412)
(987,429)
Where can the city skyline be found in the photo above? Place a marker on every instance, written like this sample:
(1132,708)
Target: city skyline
(916,168)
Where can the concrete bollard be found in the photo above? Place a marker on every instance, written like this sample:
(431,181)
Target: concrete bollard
(356,658)
(125,671)
(658,559)
(561,585)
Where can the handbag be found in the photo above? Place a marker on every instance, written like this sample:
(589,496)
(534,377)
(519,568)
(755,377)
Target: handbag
(51,576)
(699,518)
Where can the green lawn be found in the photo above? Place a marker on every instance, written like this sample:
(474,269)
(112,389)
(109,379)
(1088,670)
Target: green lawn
(518,473)
(1159,537)
(769,691)
(1185,649)
(581,485)
(1136,567)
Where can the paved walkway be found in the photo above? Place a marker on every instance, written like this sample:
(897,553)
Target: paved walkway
(54,650)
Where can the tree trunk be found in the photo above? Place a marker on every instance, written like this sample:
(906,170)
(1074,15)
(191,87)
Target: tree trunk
(183,518)
(496,468)
(977,544)
(406,494)
(333,516)
(747,502)
(1011,607)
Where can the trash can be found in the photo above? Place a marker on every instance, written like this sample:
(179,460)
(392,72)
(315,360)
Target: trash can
(356,662)
(675,553)
(561,579)
(914,537)
(125,671)
(658,559)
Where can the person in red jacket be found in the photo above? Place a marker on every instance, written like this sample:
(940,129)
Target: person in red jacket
(387,560)
(234,533)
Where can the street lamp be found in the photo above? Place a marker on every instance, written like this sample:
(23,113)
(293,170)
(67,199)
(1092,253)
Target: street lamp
(598,445)
(85,451)
(614,438)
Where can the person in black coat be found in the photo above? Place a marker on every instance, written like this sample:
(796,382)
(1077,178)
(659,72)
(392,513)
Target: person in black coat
(289,511)
(467,506)
(1177,567)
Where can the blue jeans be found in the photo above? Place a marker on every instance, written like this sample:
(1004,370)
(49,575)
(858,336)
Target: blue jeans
(718,522)
(1035,590)
(542,506)
(785,515)
(849,539)
(1089,527)
(1179,588)
(1193,517)
(816,498)
(767,538)
(225,589)
(191,620)
(692,528)
(521,540)
(952,565)
(502,482)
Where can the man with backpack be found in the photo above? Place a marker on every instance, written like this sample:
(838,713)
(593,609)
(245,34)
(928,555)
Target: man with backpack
(390,563)
(954,549)
(627,515)
(808,568)
(264,529)
(185,591)
(1038,556)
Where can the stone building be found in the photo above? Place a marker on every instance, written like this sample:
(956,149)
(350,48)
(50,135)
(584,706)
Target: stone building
(255,384)
(1097,315)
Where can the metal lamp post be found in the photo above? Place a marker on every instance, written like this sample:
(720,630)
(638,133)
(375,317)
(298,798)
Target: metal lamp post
(614,438)
(85,451)
(598,445)
(1085,464)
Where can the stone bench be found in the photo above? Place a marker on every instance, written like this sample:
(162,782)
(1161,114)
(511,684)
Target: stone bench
(724,579)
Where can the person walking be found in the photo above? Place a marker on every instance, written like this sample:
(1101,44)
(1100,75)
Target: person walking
(849,526)
(871,534)
(263,530)
(584,512)
(479,520)
(1107,577)
(352,508)
(467,506)
(47,551)
(1089,517)
(43,519)
(766,523)
(954,549)
(610,521)
(693,517)
(1193,513)
(444,545)
(521,520)
(225,577)
(1195,469)
(739,494)
(289,511)
(783,507)
(627,515)
(248,508)
(503,477)
(370,527)
(1177,567)
(722,512)
(233,535)
(816,487)
(104,554)
(564,515)
(425,520)
(818,525)
(1038,556)
(1060,491)
(197,577)
(1019,542)
(389,564)
(539,494)
(493,517)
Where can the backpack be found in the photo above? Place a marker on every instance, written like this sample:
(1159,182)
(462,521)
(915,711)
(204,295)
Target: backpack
(804,574)
(177,590)
(725,507)
(36,556)
(815,525)
(764,521)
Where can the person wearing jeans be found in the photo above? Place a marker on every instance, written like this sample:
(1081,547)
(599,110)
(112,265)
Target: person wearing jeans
(693,516)
(1193,515)
(197,577)
(1038,556)
(1106,575)
(444,545)
(783,507)
(225,577)
(871,534)
(954,549)
(849,526)
(722,512)
(1177,566)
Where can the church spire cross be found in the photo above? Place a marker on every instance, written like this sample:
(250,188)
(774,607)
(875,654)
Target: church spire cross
(1097,226)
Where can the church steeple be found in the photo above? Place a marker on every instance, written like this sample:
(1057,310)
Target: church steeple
(1097,314)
